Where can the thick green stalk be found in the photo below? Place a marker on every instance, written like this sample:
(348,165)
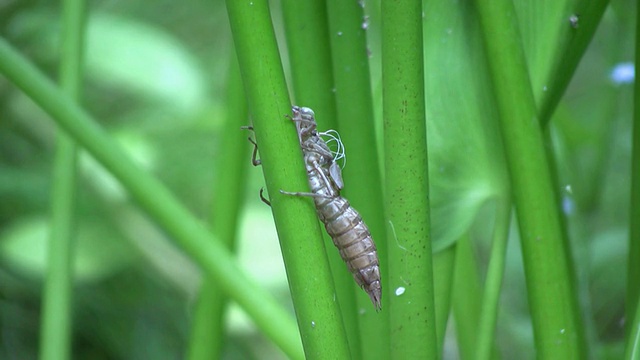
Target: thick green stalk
(56,307)
(204,248)
(633,262)
(208,336)
(363,186)
(310,279)
(411,310)
(552,299)
(307,33)
(493,283)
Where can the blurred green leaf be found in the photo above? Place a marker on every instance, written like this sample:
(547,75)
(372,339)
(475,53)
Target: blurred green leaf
(128,54)
(23,245)
(465,152)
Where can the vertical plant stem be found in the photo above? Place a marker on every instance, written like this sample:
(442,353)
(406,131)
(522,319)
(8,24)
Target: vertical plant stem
(413,328)
(633,262)
(204,248)
(56,313)
(208,336)
(552,299)
(493,282)
(466,290)
(443,266)
(307,33)
(363,186)
(574,42)
(310,278)
(632,349)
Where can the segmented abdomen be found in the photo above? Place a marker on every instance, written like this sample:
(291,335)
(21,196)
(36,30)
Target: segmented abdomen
(343,223)
(352,238)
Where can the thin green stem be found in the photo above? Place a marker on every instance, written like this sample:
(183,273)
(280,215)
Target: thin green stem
(632,351)
(466,290)
(204,248)
(493,282)
(633,262)
(208,336)
(412,316)
(363,185)
(552,299)
(307,32)
(310,279)
(443,266)
(56,307)
(566,53)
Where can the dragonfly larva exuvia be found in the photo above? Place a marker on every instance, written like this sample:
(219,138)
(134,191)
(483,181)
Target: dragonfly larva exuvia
(343,223)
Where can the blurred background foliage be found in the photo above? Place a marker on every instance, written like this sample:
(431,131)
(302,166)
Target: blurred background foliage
(155,77)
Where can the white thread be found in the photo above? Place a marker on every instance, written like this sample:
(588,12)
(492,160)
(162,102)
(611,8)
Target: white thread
(395,237)
(339,153)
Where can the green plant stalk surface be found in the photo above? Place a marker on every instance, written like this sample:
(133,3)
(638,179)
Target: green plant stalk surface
(561,57)
(412,316)
(632,350)
(157,201)
(56,312)
(493,283)
(443,266)
(554,44)
(633,262)
(309,48)
(310,57)
(363,186)
(552,299)
(310,279)
(208,336)
(466,291)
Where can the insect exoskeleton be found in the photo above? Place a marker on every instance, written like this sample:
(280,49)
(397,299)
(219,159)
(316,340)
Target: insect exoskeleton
(343,223)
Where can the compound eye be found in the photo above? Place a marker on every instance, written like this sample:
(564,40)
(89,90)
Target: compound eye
(307,111)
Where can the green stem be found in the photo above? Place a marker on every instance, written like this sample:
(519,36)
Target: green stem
(633,262)
(412,316)
(307,33)
(157,201)
(493,283)
(552,299)
(572,45)
(310,279)
(632,351)
(56,306)
(443,266)
(208,336)
(363,186)
(466,290)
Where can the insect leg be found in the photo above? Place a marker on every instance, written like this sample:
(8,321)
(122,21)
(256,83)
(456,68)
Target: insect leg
(264,200)
(254,159)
